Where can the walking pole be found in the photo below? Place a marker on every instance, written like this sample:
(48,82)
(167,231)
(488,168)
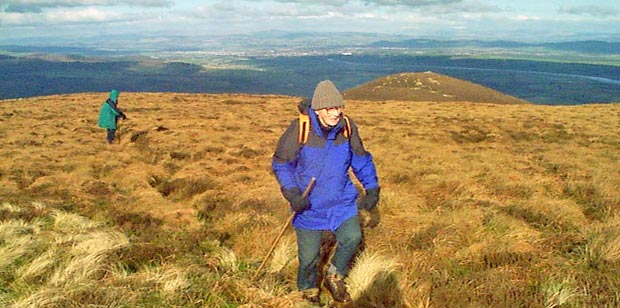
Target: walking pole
(288,222)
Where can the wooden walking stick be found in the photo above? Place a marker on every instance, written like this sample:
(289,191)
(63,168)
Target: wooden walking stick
(288,222)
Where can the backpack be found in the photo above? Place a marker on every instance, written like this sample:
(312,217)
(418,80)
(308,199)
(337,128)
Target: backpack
(304,128)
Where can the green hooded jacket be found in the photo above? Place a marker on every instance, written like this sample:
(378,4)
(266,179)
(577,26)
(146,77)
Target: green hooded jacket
(109,112)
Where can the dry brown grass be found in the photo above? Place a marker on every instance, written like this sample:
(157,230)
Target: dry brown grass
(482,205)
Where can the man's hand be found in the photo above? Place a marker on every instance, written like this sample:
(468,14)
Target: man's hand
(294,197)
(370,219)
(370,200)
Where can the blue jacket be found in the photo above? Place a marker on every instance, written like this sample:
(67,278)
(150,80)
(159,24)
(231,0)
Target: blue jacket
(328,158)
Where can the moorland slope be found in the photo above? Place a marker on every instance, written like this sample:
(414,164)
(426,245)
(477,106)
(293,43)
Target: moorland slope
(483,205)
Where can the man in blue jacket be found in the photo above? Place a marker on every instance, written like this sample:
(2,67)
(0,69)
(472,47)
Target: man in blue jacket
(109,114)
(333,147)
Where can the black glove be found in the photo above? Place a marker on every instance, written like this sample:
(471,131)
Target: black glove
(370,200)
(293,195)
(123,116)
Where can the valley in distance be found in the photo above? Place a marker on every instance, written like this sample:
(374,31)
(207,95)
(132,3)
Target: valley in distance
(564,73)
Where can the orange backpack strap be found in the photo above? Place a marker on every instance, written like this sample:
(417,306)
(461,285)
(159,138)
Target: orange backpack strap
(304,128)
(347,128)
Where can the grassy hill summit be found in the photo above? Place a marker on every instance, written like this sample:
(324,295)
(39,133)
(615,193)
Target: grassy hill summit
(428,87)
(483,205)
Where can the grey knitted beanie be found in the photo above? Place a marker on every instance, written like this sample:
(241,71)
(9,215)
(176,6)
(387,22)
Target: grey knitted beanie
(326,96)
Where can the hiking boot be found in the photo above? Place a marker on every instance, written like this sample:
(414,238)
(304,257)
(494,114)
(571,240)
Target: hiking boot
(334,283)
(311,295)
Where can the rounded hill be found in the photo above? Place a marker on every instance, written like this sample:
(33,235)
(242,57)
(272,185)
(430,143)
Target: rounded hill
(428,87)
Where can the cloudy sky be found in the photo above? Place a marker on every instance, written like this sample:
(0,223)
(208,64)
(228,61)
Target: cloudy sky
(527,20)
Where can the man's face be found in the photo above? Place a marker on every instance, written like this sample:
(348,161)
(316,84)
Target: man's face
(329,116)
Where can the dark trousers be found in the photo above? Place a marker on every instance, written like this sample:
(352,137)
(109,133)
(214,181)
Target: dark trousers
(111,133)
(348,237)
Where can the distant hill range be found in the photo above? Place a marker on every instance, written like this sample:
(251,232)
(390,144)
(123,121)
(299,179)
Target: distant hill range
(539,82)
(427,87)
(592,46)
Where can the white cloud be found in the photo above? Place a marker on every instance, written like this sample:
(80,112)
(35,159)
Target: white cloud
(37,6)
(526,17)
(60,17)
(317,2)
(411,3)
(291,10)
(421,18)
(592,10)
(82,15)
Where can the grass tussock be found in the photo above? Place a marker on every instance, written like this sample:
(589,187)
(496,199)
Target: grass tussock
(66,260)
(283,255)
(482,205)
(373,282)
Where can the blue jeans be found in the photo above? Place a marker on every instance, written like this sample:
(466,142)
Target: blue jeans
(348,237)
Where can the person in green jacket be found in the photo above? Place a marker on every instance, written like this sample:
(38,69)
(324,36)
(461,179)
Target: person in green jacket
(109,114)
